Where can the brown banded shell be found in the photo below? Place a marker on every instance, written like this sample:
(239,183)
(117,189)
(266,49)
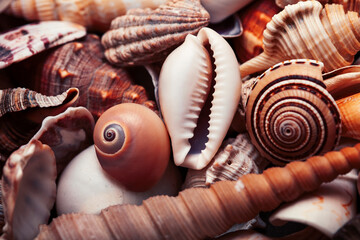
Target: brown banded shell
(28,190)
(25,109)
(307,30)
(199,213)
(289,113)
(81,64)
(93,14)
(25,41)
(144,36)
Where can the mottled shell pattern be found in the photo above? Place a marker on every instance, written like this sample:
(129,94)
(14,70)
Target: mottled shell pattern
(307,30)
(93,14)
(198,98)
(28,190)
(143,36)
(199,213)
(289,113)
(27,40)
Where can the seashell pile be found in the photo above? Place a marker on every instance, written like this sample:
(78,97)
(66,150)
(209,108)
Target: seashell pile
(179,119)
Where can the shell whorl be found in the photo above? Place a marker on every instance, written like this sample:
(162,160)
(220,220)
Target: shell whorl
(198,213)
(290,115)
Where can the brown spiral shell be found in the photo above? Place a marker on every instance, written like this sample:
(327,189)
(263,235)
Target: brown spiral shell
(198,213)
(290,115)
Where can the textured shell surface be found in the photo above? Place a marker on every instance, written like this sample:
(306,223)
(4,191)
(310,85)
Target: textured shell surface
(85,187)
(93,14)
(25,109)
(81,64)
(198,213)
(198,98)
(351,5)
(289,113)
(67,134)
(144,36)
(349,108)
(326,34)
(326,209)
(25,41)
(220,10)
(28,190)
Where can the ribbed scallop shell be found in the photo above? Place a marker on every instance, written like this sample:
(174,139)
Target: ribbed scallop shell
(17,126)
(199,213)
(307,30)
(81,64)
(93,14)
(28,190)
(237,157)
(25,41)
(290,115)
(199,89)
(144,36)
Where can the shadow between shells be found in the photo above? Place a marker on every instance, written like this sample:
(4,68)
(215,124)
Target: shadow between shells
(179,119)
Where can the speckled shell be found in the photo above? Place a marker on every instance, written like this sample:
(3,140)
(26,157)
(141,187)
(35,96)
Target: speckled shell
(289,113)
(198,97)
(199,213)
(17,126)
(144,36)
(32,38)
(254,18)
(220,10)
(307,30)
(132,145)
(93,14)
(67,134)
(81,64)
(28,190)
(236,157)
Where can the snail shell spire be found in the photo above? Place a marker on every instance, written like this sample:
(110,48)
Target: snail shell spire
(289,113)
(198,213)
(309,30)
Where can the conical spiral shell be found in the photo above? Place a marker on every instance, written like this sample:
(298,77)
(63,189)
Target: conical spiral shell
(198,213)
(307,30)
(290,115)
(144,36)
(93,14)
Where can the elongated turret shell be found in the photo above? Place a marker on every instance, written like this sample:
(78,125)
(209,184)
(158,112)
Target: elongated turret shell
(307,30)
(143,35)
(28,190)
(290,115)
(199,89)
(199,213)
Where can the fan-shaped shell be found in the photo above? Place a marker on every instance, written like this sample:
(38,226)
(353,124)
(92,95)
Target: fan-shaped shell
(199,89)
(28,190)
(290,115)
(132,145)
(143,35)
(25,41)
(307,30)
(93,14)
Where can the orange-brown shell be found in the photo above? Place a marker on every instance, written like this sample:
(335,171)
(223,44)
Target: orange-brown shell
(132,145)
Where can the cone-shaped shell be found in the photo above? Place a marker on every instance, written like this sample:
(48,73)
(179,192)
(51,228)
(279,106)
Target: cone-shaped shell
(307,30)
(290,115)
(199,213)
(27,40)
(198,98)
(132,145)
(28,190)
(143,35)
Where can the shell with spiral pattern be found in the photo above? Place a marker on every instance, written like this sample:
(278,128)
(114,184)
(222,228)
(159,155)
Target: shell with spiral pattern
(199,213)
(307,30)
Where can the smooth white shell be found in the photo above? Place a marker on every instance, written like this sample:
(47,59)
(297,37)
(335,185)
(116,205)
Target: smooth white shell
(183,87)
(85,187)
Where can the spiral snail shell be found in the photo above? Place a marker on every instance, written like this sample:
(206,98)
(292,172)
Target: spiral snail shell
(290,115)
(132,145)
